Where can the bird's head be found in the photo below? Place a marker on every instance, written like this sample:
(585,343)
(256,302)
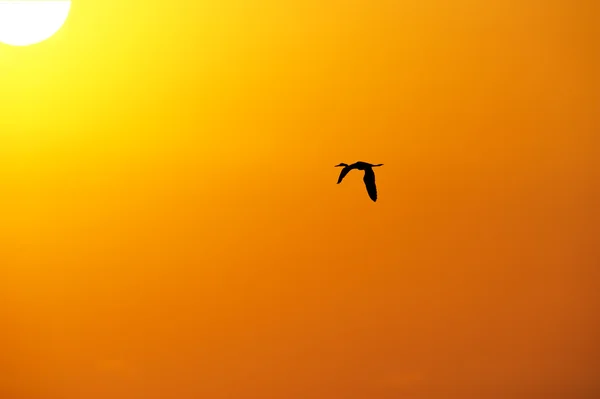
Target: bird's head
(342,164)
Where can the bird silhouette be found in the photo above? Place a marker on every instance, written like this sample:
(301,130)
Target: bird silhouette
(369,177)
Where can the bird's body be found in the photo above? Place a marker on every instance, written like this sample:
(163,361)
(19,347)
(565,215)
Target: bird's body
(369,177)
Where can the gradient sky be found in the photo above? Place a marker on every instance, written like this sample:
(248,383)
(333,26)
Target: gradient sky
(170,226)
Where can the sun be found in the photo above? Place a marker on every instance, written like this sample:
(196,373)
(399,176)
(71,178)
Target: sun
(26,22)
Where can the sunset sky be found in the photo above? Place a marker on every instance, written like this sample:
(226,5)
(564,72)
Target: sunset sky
(170,226)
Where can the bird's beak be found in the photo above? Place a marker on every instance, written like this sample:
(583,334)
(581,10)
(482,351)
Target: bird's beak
(338,165)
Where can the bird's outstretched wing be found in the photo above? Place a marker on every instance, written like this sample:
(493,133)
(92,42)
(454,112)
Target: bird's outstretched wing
(369,180)
(343,173)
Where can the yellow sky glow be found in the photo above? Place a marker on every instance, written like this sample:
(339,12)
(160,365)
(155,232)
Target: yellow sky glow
(170,226)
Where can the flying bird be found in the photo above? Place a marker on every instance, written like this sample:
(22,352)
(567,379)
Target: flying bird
(369,177)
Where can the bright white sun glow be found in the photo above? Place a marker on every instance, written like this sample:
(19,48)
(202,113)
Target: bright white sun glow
(26,22)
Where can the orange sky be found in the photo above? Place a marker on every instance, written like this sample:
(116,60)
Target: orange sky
(170,226)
